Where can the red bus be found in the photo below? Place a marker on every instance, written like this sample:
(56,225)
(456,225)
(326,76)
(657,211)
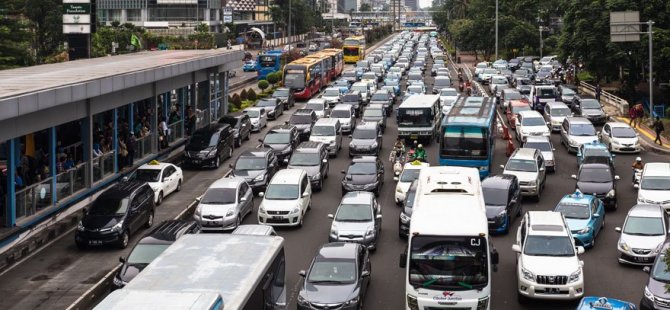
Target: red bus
(304,76)
(337,58)
(326,66)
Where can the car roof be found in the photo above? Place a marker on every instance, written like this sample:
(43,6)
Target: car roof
(530,113)
(364,159)
(228,182)
(316,100)
(167,232)
(499,181)
(618,125)
(524,153)
(254,229)
(154,165)
(595,166)
(309,147)
(367,126)
(290,176)
(342,106)
(557,104)
(262,152)
(303,112)
(357,197)
(341,250)
(537,139)
(657,169)
(376,106)
(519,102)
(577,197)
(281,128)
(578,120)
(547,223)
(254,108)
(646,210)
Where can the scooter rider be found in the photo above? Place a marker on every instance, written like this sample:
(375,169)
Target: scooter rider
(637,165)
(419,153)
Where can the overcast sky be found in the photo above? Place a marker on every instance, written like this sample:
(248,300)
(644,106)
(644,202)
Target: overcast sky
(425,3)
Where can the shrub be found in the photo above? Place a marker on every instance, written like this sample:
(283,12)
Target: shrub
(273,78)
(251,94)
(263,84)
(243,95)
(236,101)
(585,76)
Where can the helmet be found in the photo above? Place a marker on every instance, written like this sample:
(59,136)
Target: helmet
(420,146)
(415,141)
(638,158)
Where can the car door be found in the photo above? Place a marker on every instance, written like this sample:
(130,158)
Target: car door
(605,134)
(135,215)
(324,161)
(262,119)
(363,266)
(247,196)
(167,180)
(541,168)
(564,132)
(377,213)
(306,190)
(598,208)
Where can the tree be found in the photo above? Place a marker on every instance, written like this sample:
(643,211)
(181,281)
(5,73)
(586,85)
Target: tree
(263,85)
(46,20)
(202,28)
(365,7)
(273,78)
(244,95)
(14,39)
(236,102)
(251,94)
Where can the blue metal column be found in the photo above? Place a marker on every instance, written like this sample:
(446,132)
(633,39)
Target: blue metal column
(224,95)
(11,179)
(115,138)
(53,156)
(131,117)
(166,104)
(182,107)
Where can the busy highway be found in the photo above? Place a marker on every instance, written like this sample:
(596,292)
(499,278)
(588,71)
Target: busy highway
(58,275)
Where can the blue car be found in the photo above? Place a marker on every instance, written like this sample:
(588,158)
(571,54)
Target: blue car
(602,303)
(594,153)
(359,72)
(585,216)
(343,85)
(249,65)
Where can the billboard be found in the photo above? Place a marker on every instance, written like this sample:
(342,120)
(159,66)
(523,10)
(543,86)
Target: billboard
(625,26)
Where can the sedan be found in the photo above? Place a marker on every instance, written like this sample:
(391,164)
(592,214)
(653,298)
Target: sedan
(365,173)
(620,137)
(338,275)
(249,65)
(256,166)
(643,231)
(502,196)
(600,180)
(273,107)
(366,140)
(224,205)
(585,216)
(358,219)
(164,178)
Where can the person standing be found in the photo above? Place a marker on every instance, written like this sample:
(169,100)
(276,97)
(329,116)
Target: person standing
(658,128)
(130,146)
(632,113)
(598,92)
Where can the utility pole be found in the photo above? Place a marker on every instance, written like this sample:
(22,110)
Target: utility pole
(651,68)
(290,39)
(496,29)
(541,42)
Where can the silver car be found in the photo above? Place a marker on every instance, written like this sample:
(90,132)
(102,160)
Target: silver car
(546,148)
(643,231)
(358,219)
(224,205)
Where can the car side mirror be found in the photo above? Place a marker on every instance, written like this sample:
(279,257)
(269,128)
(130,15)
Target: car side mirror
(646,269)
(396,179)
(305,194)
(343,172)
(580,250)
(286,160)
(379,216)
(365,273)
(596,215)
(542,169)
(230,165)
(502,166)
(403,260)
(548,123)
(574,176)
(261,194)
(351,136)
(243,199)
(616,177)
(636,186)
(260,140)
(302,273)
(122,260)
(516,248)
(617,229)
(125,179)
(198,199)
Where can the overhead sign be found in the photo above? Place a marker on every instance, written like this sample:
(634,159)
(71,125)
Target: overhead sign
(625,26)
(85,29)
(76,8)
(227,14)
(76,1)
(76,19)
(176,1)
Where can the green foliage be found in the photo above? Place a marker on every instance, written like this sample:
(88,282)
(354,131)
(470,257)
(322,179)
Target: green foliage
(263,84)
(303,15)
(14,43)
(46,20)
(236,101)
(585,76)
(202,28)
(365,7)
(251,94)
(273,78)
(243,95)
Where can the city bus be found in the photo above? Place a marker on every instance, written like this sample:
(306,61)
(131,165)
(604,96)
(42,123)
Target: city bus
(354,49)
(337,58)
(268,62)
(304,76)
(210,271)
(326,66)
(468,135)
(419,118)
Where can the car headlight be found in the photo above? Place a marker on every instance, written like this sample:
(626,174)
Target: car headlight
(483,303)
(295,210)
(648,294)
(572,141)
(260,177)
(584,230)
(502,214)
(230,212)
(211,153)
(527,274)
(532,183)
(351,145)
(624,246)
(404,218)
(302,301)
(118,226)
(316,176)
(80,226)
(483,168)
(261,209)
(197,212)
(333,231)
(611,193)
(352,301)
(118,282)
(370,232)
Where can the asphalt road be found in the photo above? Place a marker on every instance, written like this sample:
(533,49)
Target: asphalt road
(60,273)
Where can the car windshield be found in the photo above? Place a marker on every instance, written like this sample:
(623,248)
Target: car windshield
(280,93)
(204,139)
(595,175)
(582,130)
(147,175)
(360,88)
(353,213)
(380,97)
(414,117)
(499,81)
(331,93)
(253,113)
(482,65)
(324,131)
(623,132)
(250,163)
(590,104)
(521,165)
(465,142)
(533,121)
(277,138)
(441,82)
(340,114)
(415,77)
(546,69)
(282,192)
(644,226)
(448,92)
(315,106)
(106,206)
(219,196)
(409,175)
(560,112)
(518,108)
(266,103)
(373,113)
(301,119)
(512,95)
(572,210)
(349,74)
(394,82)
(304,159)
(495,196)
(655,183)
(660,271)
(332,271)
(542,146)
(537,245)
(362,168)
(365,134)
(143,254)
(415,90)
(369,76)
(490,71)
(567,91)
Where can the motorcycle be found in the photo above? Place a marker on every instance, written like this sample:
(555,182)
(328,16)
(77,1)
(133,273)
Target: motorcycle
(637,175)
(398,159)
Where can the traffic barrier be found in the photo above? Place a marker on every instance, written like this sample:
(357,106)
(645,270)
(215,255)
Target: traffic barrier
(605,97)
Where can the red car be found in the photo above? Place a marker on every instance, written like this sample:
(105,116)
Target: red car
(514,107)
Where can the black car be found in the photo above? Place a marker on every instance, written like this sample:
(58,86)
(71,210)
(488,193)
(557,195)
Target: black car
(589,108)
(282,139)
(273,106)
(286,96)
(116,214)
(354,98)
(338,276)
(598,179)
(502,196)
(150,246)
(241,125)
(406,213)
(257,167)
(365,173)
(366,140)
(303,120)
(209,146)
(313,158)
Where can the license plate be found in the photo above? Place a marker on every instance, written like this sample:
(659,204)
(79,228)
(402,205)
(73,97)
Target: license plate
(94,242)
(196,161)
(552,290)
(277,217)
(640,259)
(212,224)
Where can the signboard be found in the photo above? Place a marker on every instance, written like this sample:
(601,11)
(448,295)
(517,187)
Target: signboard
(227,15)
(76,8)
(77,28)
(625,26)
(76,19)
(192,2)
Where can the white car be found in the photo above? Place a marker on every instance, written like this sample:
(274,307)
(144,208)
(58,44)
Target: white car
(409,173)
(479,68)
(654,185)
(554,113)
(496,81)
(530,123)
(331,95)
(620,137)
(548,266)
(164,178)
(448,96)
(528,166)
(286,200)
(319,106)
(487,74)
(642,235)
(258,118)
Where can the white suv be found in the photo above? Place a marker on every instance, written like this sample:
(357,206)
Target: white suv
(529,167)
(286,200)
(530,123)
(654,185)
(547,263)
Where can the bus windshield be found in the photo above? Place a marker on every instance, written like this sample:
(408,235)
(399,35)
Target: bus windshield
(295,78)
(465,142)
(267,61)
(415,117)
(350,51)
(448,263)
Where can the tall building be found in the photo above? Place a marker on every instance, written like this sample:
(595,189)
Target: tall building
(345,6)
(413,5)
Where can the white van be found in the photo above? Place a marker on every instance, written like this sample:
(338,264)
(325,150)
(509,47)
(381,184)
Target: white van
(328,132)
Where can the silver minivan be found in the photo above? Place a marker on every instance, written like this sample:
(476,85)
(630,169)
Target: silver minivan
(346,114)
(329,132)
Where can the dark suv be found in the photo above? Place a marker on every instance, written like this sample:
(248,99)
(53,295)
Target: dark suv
(152,245)
(365,173)
(366,140)
(313,158)
(273,106)
(116,214)
(241,125)
(282,139)
(257,167)
(589,108)
(303,119)
(353,98)
(286,97)
(502,196)
(209,146)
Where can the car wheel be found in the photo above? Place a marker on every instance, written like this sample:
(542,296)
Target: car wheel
(238,142)
(520,298)
(159,200)
(320,184)
(150,220)
(178,186)
(609,147)
(123,240)
(238,221)
(230,152)
(248,135)
(302,217)
(217,162)
(509,223)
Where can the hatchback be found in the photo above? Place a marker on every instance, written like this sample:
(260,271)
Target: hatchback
(313,158)
(529,124)
(256,166)
(273,107)
(576,131)
(528,165)
(598,179)
(366,140)
(656,292)
(224,205)
(502,196)
(589,108)
(642,235)
(286,200)
(654,185)
(620,137)
(358,219)
(365,173)
(375,113)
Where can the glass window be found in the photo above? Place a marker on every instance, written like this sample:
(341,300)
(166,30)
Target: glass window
(560,112)
(409,175)
(323,131)
(661,272)
(145,253)
(521,165)
(365,134)
(109,206)
(354,213)
(590,104)
(655,183)
(362,168)
(465,142)
(582,130)
(250,163)
(623,132)
(204,139)
(542,146)
(595,175)
(326,270)
(644,226)
(330,92)
(340,114)
(572,210)
(373,113)
(219,196)
(253,113)
(315,106)
(415,117)
(304,159)
(146,175)
(537,245)
(495,196)
(533,121)
(282,191)
(277,138)
(267,61)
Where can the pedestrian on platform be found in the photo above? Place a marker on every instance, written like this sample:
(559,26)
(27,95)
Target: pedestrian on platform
(658,128)
(598,92)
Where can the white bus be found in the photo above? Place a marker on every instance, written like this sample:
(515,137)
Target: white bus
(419,118)
(246,271)
(437,183)
(449,257)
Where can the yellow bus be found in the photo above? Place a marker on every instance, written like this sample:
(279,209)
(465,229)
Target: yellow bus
(354,49)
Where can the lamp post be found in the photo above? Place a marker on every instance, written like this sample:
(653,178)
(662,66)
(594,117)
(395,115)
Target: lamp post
(496,29)
(290,39)
(541,42)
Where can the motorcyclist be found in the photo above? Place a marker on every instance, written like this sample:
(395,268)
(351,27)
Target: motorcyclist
(638,164)
(419,153)
(399,147)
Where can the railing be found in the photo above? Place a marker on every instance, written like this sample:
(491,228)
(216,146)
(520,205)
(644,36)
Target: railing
(75,150)
(103,166)
(143,146)
(176,131)
(605,97)
(71,181)
(33,198)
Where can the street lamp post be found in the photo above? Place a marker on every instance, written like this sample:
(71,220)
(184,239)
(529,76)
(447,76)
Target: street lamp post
(541,42)
(290,39)
(496,29)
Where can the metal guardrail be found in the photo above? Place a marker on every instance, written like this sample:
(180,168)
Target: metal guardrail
(606,97)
